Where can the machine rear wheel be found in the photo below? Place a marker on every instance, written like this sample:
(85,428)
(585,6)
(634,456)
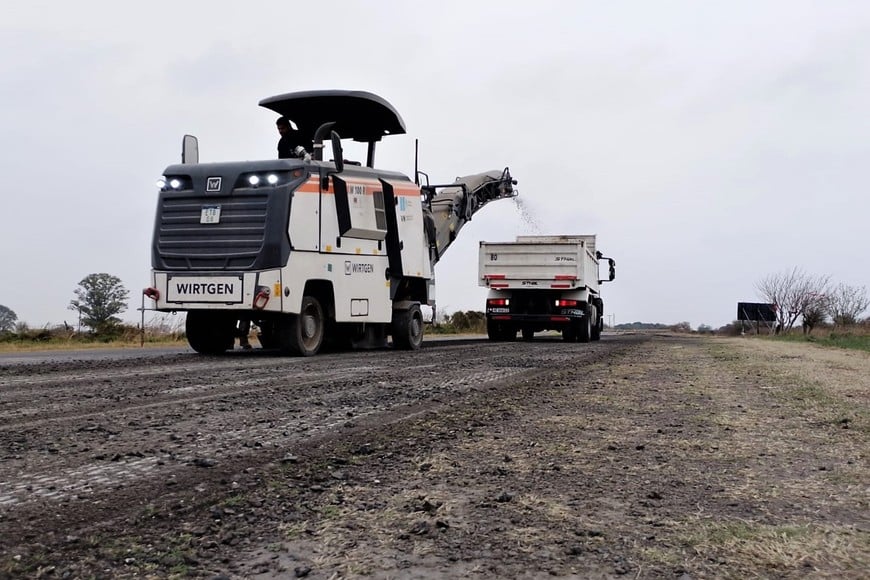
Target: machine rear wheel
(209,332)
(408,328)
(528,334)
(302,333)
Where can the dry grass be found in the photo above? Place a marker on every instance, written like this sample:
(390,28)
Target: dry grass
(753,549)
(720,458)
(776,430)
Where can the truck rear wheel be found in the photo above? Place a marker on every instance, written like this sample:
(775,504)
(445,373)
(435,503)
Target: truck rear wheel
(302,333)
(584,329)
(528,334)
(597,328)
(209,332)
(408,328)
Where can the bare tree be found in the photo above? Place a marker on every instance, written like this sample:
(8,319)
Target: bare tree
(793,293)
(815,312)
(846,303)
(681,327)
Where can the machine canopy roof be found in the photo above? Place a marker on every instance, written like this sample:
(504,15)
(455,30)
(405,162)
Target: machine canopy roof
(358,115)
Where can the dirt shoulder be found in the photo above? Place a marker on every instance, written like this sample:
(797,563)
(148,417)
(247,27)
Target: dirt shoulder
(651,457)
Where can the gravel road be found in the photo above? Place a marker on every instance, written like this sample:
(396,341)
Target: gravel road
(641,455)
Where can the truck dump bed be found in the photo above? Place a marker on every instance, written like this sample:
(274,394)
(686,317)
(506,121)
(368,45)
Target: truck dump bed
(557,262)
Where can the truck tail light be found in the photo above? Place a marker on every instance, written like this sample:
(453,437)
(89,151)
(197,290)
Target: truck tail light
(561,303)
(498,302)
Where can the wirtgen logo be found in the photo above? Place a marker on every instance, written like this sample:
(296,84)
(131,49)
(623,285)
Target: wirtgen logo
(213,184)
(358,268)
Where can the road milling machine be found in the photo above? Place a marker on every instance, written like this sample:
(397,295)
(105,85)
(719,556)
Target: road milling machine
(312,251)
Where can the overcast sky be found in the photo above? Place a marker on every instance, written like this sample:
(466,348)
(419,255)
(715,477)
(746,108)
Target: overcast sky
(707,144)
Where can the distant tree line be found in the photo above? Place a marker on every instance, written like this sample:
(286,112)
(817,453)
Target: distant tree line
(467,322)
(798,296)
(812,300)
(644,326)
(98,300)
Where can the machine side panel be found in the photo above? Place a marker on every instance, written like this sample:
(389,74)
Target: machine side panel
(409,249)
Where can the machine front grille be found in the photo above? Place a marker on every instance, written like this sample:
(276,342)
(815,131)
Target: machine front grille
(231,244)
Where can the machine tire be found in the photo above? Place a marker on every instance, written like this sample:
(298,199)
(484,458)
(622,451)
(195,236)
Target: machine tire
(408,328)
(209,332)
(528,334)
(302,334)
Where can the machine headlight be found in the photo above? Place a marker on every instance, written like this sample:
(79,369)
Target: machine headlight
(262,179)
(175,183)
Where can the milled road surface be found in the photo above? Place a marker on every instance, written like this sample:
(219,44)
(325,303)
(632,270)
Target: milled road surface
(639,456)
(78,427)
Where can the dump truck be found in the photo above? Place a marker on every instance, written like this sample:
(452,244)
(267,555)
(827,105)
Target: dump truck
(539,283)
(310,250)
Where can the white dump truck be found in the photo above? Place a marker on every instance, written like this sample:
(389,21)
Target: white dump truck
(309,249)
(544,283)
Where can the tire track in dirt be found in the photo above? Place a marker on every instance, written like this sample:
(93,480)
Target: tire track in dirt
(156,446)
(334,390)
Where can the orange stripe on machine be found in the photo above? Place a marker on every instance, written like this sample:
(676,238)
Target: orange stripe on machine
(371,185)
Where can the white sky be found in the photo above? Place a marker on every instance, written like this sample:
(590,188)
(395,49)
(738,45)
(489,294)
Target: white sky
(708,144)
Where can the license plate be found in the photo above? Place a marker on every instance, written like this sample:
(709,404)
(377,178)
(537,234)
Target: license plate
(223,289)
(211,214)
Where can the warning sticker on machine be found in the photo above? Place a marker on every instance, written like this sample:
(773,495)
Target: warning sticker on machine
(225,289)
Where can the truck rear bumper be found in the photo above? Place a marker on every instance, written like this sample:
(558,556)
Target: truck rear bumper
(538,320)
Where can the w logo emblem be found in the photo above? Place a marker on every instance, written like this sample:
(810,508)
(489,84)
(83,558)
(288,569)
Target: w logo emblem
(213,184)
